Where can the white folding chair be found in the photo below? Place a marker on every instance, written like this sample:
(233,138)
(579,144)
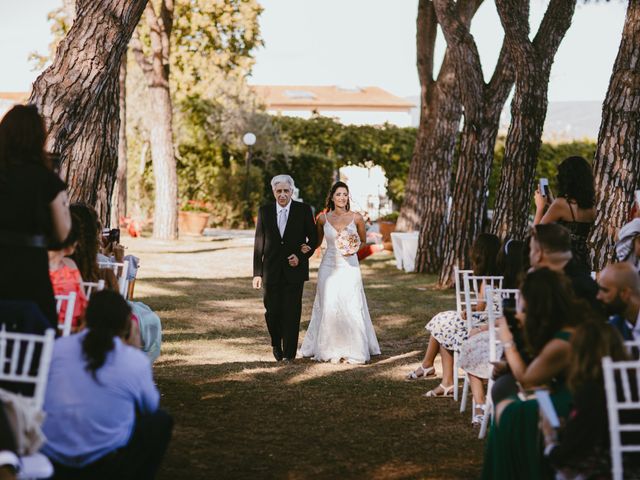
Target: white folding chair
(17,365)
(90,287)
(472,286)
(460,307)
(70,299)
(629,374)
(120,270)
(494,298)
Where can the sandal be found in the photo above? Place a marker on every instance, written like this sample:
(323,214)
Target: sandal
(478,417)
(421,372)
(446,392)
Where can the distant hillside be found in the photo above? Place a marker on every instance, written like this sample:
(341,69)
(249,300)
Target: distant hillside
(565,120)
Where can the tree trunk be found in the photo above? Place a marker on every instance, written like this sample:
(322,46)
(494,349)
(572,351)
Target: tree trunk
(156,71)
(617,160)
(165,214)
(426,29)
(78,97)
(533,61)
(428,183)
(477,143)
(119,199)
(482,105)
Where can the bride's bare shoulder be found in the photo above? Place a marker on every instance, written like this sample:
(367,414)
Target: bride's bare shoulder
(358,218)
(321,218)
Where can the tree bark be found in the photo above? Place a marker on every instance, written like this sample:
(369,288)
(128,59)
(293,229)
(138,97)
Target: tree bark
(482,105)
(428,183)
(156,71)
(119,199)
(533,61)
(617,160)
(78,97)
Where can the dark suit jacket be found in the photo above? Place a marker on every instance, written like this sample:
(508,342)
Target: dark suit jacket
(270,252)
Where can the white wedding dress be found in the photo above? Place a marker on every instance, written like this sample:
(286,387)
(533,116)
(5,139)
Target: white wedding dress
(340,327)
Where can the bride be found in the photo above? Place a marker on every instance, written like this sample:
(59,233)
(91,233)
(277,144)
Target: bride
(340,327)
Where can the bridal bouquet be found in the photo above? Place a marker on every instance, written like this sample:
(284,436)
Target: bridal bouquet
(347,242)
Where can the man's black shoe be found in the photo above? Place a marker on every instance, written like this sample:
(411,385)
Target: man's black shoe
(277,353)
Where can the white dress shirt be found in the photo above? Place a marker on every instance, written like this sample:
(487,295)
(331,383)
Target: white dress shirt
(279,209)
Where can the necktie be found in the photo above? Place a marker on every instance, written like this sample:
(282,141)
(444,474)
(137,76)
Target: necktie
(282,221)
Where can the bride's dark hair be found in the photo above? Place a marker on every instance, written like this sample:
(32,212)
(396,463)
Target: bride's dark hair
(332,206)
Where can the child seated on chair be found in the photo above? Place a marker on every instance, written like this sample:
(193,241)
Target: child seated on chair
(66,278)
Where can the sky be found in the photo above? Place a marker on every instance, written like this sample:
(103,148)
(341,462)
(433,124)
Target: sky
(357,43)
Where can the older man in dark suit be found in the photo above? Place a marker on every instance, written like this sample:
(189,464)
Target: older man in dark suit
(279,265)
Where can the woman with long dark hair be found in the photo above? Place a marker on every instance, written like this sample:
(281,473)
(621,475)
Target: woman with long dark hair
(34,210)
(101,403)
(574,207)
(340,327)
(548,315)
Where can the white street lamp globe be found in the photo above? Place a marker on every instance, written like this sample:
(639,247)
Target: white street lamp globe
(249,139)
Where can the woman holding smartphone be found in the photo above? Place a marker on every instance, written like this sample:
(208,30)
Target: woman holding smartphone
(574,207)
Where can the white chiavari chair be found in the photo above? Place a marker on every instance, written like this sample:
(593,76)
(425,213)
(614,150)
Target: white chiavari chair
(70,300)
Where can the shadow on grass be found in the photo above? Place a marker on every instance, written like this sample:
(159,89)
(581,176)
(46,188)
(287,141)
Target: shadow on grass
(241,415)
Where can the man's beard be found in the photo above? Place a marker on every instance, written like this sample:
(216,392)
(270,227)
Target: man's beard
(616,307)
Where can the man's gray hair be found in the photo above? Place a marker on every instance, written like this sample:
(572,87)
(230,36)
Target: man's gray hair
(282,179)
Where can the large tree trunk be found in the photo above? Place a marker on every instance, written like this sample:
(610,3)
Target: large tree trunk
(165,217)
(482,105)
(156,71)
(426,29)
(436,148)
(78,97)
(533,61)
(617,160)
(119,200)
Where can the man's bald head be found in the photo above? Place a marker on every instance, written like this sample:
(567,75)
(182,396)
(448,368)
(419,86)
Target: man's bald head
(622,275)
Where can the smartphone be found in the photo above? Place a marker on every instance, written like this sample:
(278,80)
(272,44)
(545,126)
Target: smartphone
(544,187)
(111,234)
(509,312)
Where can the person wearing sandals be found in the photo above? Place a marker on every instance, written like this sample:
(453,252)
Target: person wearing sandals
(448,329)
(574,207)
(474,352)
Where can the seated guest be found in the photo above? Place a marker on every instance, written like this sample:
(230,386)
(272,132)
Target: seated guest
(548,315)
(550,247)
(86,252)
(581,448)
(574,207)
(448,329)
(65,278)
(628,244)
(474,352)
(620,293)
(102,416)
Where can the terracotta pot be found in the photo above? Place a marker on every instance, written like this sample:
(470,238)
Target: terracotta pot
(193,223)
(385,230)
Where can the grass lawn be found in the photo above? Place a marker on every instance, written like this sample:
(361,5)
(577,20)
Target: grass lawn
(239,414)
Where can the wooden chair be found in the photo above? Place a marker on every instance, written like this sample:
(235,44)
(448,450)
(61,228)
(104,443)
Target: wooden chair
(70,299)
(18,358)
(628,372)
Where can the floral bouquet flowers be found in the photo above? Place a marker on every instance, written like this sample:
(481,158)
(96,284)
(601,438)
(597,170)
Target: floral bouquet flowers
(347,243)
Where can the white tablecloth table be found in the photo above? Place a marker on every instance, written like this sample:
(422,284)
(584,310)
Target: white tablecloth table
(405,248)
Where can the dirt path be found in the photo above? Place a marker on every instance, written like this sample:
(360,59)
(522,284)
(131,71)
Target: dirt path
(240,415)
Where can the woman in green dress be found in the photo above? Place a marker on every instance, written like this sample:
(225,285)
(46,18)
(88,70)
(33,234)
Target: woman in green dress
(547,314)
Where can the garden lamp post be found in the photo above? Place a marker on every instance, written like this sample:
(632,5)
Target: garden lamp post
(249,139)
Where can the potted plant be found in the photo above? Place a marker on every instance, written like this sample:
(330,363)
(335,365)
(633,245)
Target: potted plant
(193,217)
(387,225)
